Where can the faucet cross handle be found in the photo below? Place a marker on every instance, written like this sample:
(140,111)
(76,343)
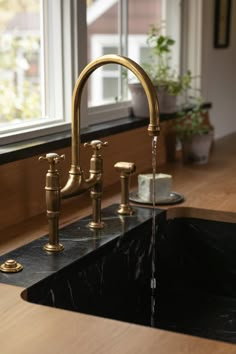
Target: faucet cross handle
(52,159)
(96,145)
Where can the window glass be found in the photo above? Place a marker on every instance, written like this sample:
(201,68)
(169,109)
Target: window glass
(103,38)
(142,14)
(20,62)
(118,27)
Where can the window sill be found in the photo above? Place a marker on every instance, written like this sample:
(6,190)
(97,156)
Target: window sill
(49,143)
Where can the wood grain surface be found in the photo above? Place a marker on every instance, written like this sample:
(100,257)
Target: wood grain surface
(33,329)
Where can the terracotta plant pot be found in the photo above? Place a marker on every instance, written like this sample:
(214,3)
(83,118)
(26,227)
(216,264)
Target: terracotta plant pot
(197,148)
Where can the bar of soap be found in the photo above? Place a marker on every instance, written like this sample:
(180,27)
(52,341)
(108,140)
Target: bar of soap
(162,185)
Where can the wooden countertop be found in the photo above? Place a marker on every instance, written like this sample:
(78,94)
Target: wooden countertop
(210,192)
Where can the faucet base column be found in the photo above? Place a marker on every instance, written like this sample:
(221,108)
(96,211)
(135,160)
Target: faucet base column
(96,194)
(125,209)
(53,248)
(96,224)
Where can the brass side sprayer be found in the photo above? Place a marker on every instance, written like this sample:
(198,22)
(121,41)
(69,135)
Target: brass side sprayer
(125,169)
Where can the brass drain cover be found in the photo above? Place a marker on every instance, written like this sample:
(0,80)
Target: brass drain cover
(11,266)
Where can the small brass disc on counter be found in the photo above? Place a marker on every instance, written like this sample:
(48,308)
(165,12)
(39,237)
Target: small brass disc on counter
(11,266)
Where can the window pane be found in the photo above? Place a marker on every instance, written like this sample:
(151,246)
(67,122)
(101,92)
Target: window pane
(162,14)
(20,92)
(103,38)
(109,50)
(141,16)
(144,54)
(110,92)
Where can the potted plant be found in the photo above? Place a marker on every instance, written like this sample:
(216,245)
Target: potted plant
(195,133)
(168,84)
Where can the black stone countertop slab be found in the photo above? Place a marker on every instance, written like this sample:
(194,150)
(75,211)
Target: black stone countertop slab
(79,242)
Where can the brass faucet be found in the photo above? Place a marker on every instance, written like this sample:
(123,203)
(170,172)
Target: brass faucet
(77,183)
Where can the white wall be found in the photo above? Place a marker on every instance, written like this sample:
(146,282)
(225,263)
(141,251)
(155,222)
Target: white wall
(219,73)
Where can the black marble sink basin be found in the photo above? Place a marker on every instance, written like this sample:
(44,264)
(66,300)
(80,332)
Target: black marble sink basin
(182,278)
(196,278)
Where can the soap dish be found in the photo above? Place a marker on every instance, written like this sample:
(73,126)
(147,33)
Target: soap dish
(173,198)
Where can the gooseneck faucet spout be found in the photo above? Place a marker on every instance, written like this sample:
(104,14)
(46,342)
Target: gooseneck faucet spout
(77,183)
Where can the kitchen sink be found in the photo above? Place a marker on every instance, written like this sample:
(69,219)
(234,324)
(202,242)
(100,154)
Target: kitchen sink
(180,278)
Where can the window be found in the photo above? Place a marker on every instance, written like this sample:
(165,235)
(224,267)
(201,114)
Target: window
(122,28)
(44,46)
(30,68)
